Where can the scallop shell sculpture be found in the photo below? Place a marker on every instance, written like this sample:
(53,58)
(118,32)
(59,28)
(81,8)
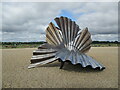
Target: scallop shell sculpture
(65,43)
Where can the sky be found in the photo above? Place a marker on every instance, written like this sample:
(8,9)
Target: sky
(27,22)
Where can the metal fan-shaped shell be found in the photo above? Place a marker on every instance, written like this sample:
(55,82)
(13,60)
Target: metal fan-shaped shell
(65,42)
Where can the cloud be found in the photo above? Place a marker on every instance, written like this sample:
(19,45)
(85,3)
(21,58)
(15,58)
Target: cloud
(28,21)
(104,37)
(101,18)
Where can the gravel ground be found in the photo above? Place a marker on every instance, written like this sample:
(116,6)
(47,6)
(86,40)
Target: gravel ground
(16,75)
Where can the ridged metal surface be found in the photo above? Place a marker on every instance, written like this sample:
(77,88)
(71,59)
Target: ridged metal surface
(65,42)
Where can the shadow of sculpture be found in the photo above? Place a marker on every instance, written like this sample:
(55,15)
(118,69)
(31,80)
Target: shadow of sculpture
(70,67)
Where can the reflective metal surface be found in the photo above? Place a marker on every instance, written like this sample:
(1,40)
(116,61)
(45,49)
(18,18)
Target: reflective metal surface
(65,42)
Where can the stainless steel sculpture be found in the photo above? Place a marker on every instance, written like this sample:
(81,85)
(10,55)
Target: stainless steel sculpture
(65,43)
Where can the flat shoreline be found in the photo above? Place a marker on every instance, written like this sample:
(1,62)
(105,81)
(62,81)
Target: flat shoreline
(15,73)
(36,48)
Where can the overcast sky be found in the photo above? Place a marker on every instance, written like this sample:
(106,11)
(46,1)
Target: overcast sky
(28,21)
